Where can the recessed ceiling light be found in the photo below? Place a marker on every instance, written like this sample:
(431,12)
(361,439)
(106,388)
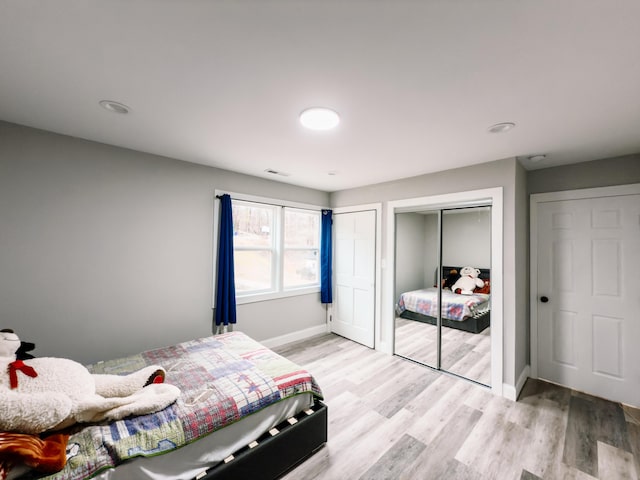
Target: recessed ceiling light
(501,127)
(115,107)
(319,118)
(537,158)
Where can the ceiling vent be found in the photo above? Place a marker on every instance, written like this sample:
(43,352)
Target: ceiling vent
(275,172)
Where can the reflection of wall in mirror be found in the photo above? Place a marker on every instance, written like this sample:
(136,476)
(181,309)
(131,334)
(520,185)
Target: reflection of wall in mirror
(410,252)
(466,237)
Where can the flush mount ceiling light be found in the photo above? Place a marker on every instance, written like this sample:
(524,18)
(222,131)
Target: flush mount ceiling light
(319,118)
(501,127)
(537,158)
(115,107)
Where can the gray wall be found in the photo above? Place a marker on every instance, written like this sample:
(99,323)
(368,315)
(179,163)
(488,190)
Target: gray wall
(106,252)
(598,173)
(500,173)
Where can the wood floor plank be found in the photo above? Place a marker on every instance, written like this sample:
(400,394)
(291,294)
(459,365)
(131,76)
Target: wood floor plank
(446,443)
(615,463)
(397,399)
(436,416)
(529,476)
(499,455)
(580,448)
(633,430)
(631,414)
(543,457)
(395,460)
(610,421)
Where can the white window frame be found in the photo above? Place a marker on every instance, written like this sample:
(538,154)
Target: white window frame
(284,249)
(277,264)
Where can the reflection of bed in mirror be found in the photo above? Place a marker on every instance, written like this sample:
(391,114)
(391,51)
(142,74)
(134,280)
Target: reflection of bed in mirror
(471,313)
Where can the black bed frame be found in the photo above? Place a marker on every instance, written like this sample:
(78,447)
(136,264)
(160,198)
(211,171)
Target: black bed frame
(472,324)
(277,452)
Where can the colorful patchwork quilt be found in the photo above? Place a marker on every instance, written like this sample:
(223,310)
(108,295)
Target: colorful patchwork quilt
(454,306)
(222,378)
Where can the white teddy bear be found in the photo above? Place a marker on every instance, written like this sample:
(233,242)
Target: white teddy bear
(44,394)
(468,281)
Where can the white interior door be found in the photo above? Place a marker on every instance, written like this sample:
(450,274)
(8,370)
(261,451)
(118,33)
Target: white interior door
(354,272)
(588,296)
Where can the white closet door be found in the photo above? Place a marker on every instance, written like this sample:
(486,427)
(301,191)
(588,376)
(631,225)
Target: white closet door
(354,271)
(589,323)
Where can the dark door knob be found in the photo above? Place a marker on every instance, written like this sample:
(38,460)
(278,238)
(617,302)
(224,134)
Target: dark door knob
(544,299)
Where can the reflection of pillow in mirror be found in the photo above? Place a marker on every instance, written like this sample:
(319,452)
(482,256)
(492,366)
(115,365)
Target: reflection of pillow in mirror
(484,289)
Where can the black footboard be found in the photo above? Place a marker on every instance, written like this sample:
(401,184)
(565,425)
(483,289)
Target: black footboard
(471,324)
(277,452)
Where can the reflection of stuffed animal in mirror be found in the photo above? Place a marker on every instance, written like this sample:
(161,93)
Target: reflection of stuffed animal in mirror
(44,394)
(468,281)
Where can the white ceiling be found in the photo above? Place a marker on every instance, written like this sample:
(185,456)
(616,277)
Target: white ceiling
(417,83)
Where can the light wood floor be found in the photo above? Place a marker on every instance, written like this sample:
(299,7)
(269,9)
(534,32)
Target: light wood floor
(390,418)
(463,353)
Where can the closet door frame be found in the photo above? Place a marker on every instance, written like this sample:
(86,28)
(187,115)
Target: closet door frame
(492,196)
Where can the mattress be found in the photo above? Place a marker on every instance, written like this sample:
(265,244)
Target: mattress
(454,306)
(191,460)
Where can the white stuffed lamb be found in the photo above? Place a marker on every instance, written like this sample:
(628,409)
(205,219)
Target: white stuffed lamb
(468,281)
(44,394)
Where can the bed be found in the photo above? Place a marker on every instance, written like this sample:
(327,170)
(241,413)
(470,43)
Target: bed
(243,412)
(471,313)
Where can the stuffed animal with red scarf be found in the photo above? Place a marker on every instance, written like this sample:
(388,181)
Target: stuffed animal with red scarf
(468,281)
(49,393)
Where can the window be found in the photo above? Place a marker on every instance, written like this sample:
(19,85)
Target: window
(301,248)
(276,249)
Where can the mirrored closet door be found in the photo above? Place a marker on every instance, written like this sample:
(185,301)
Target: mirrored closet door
(416,293)
(443,298)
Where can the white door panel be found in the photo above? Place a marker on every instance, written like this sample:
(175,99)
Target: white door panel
(353,314)
(588,331)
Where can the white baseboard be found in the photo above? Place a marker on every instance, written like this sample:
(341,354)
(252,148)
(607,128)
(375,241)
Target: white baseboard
(294,336)
(511,392)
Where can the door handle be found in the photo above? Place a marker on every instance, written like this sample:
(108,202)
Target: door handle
(544,299)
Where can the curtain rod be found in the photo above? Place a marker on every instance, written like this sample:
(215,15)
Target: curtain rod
(276,204)
(253,201)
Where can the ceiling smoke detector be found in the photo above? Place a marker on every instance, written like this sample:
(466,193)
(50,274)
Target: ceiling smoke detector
(501,127)
(115,107)
(276,172)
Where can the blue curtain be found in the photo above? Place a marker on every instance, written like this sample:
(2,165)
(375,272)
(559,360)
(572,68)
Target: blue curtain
(326,295)
(225,284)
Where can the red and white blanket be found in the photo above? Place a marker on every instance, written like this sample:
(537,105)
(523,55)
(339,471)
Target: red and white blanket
(221,378)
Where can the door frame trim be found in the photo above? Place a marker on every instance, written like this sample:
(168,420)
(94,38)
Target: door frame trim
(468,198)
(377,308)
(534,201)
